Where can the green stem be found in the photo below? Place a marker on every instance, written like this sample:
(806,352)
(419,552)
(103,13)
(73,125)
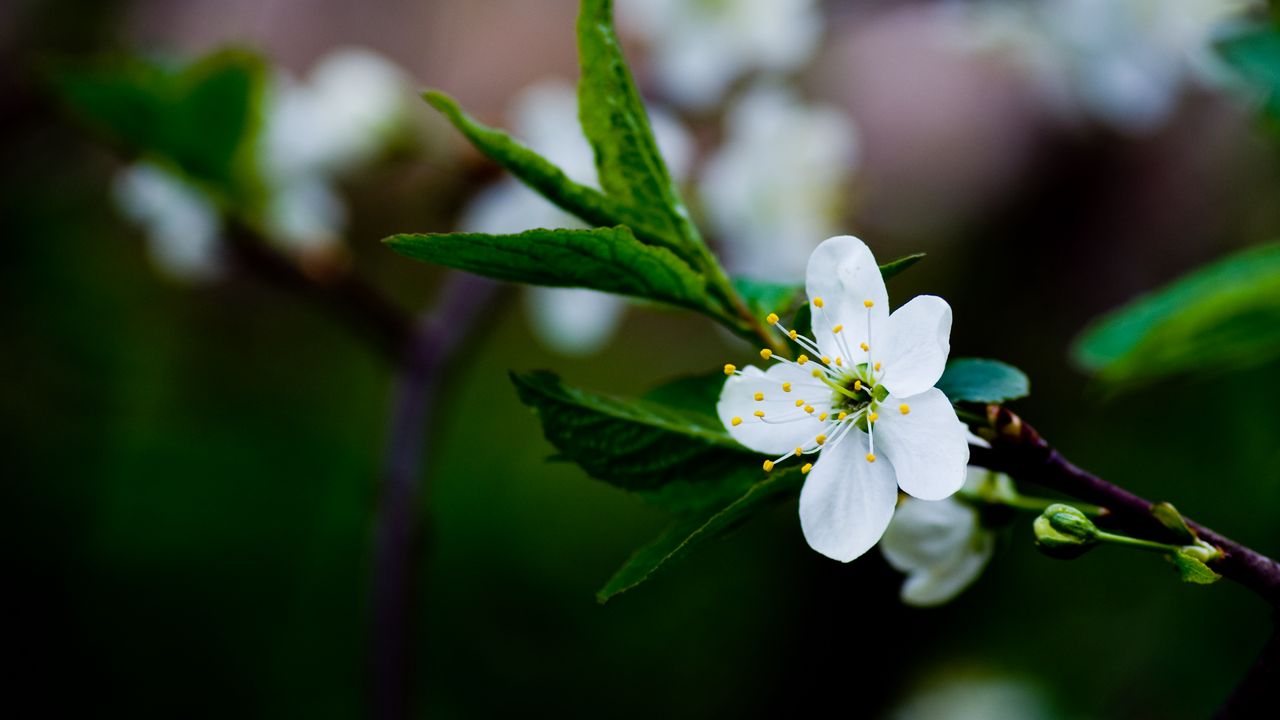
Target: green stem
(1138,543)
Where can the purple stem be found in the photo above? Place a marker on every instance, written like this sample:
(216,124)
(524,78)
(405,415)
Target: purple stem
(433,342)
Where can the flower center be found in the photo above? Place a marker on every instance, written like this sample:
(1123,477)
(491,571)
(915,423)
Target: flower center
(856,393)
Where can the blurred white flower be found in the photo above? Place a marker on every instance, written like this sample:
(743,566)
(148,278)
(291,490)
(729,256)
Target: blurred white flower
(315,131)
(180,223)
(312,133)
(777,184)
(976,698)
(544,116)
(940,544)
(1126,63)
(700,47)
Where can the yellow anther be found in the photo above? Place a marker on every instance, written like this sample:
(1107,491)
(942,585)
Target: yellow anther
(826,360)
(772,319)
(768,465)
(758,413)
(729,369)
(816,372)
(839,361)
(857,386)
(736,421)
(820,439)
(799,451)
(822,417)
(802,359)
(867,303)
(808,409)
(904,408)
(807,467)
(786,387)
(865,347)
(799,403)
(759,397)
(877,367)
(871,457)
(873,417)
(792,334)
(766,353)
(836,330)
(842,416)
(817,302)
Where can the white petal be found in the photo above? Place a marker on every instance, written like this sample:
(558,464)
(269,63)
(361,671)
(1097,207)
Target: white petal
(784,425)
(846,502)
(927,445)
(926,533)
(917,346)
(574,321)
(946,580)
(843,272)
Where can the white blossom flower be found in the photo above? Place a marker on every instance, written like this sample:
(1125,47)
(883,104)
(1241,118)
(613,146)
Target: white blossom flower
(312,133)
(865,403)
(700,48)
(181,224)
(573,321)
(941,545)
(776,183)
(1124,62)
(317,130)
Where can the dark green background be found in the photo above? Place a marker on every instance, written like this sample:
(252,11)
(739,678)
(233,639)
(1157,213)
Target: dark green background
(191,474)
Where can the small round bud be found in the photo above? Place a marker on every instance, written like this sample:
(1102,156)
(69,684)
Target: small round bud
(1064,532)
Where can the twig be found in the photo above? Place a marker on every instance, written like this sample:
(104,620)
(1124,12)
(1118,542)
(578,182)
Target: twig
(1017,449)
(434,342)
(1020,451)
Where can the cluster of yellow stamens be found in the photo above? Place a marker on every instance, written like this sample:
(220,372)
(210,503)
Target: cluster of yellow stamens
(860,397)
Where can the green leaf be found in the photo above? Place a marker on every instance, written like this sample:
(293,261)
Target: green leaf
(614,121)
(1224,316)
(201,119)
(983,381)
(607,259)
(677,458)
(764,297)
(1169,516)
(1255,55)
(587,203)
(1192,570)
(690,531)
(893,268)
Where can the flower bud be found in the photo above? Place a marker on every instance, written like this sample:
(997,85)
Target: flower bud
(1064,532)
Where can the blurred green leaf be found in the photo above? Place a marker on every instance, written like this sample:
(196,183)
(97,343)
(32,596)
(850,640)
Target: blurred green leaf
(893,268)
(614,120)
(607,259)
(1255,54)
(1192,570)
(1222,317)
(589,204)
(690,531)
(983,381)
(201,119)
(764,297)
(681,459)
